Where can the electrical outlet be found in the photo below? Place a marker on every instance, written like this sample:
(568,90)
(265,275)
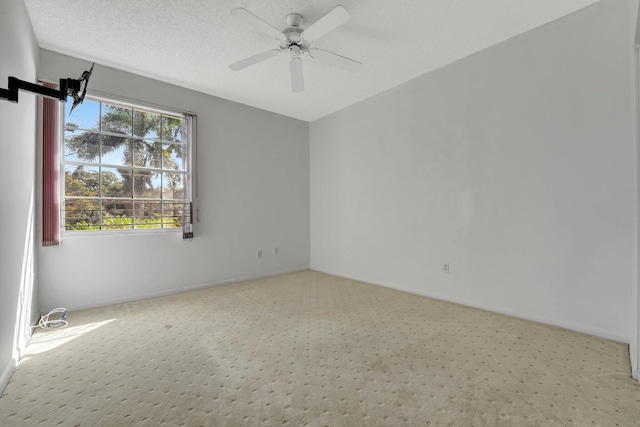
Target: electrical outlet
(445,267)
(259,253)
(275,251)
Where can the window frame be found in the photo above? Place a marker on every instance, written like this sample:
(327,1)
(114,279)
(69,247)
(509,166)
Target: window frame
(187,171)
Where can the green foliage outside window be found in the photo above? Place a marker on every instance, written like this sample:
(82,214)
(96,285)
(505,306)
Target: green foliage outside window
(124,169)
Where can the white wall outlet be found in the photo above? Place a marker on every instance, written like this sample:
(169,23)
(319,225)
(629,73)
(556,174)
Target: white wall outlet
(445,267)
(259,253)
(275,251)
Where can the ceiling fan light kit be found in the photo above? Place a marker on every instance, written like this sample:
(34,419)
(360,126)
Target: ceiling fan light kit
(297,42)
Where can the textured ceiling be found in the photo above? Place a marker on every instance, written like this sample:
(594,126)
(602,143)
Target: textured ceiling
(191,42)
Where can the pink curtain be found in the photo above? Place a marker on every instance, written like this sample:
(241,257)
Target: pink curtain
(50,188)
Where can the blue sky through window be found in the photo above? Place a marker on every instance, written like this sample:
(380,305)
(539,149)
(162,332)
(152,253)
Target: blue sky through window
(85,115)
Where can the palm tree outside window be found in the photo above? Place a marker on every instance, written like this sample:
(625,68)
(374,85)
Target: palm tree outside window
(125,167)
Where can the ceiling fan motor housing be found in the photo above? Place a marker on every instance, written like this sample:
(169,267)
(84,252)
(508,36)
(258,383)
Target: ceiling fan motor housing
(294,30)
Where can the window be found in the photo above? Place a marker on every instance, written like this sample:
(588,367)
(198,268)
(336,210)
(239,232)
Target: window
(125,167)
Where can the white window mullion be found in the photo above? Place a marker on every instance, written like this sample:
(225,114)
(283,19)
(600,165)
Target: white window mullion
(155,169)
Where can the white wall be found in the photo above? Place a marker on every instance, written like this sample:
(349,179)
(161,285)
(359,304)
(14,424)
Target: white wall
(515,165)
(19,52)
(253,187)
(635,303)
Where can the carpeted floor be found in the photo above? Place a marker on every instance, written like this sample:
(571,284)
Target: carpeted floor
(313,349)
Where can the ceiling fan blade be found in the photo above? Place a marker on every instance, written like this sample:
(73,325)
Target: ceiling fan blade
(331,20)
(335,59)
(297,78)
(257,23)
(254,59)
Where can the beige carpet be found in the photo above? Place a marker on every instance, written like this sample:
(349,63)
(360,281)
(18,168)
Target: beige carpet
(317,350)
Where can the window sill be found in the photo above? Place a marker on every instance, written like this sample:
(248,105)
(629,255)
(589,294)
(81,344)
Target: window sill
(105,233)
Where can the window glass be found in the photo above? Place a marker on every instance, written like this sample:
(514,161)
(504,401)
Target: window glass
(115,119)
(85,116)
(124,167)
(81,146)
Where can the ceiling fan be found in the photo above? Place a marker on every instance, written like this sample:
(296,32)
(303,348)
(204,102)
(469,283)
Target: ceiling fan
(297,41)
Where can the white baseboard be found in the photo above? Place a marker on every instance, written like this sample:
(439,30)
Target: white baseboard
(6,375)
(163,293)
(8,371)
(578,327)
